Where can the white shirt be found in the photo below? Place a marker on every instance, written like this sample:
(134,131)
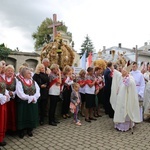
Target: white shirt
(4,98)
(81,89)
(140,82)
(54,89)
(20,92)
(90,90)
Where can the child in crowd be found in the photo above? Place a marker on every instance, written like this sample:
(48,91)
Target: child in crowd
(75,102)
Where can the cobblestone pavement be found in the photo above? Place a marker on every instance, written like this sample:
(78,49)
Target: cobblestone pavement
(98,135)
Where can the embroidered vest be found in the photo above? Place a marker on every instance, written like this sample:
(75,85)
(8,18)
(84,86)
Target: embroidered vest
(29,89)
(11,86)
(2,86)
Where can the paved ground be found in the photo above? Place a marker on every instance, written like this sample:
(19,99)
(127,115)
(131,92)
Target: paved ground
(98,135)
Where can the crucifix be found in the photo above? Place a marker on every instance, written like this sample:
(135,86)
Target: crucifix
(55,25)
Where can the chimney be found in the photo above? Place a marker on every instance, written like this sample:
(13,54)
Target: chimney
(119,45)
(104,49)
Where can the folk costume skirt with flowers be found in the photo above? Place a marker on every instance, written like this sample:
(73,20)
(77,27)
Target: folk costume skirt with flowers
(11,115)
(3,119)
(27,115)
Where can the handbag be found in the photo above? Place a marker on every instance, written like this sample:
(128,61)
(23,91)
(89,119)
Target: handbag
(72,107)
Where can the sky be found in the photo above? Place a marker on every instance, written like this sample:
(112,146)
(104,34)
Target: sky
(106,22)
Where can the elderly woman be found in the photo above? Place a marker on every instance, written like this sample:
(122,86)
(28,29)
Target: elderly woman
(4,98)
(28,93)
(11,105)
(42,80)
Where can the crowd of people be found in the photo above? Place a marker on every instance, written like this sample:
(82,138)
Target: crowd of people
(121,91)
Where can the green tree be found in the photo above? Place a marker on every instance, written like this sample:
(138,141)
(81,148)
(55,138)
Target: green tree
(4,51)
(42,34)
(87,46)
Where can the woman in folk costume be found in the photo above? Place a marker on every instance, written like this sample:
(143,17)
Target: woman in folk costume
(67,81)
(54,92)
(90,95)
(147,94)
(11,105)
(81,82)
(4,98)
(19,75)
(28,93)
(126,106)
(42,80)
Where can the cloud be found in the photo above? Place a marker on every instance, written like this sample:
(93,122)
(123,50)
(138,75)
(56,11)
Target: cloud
(24,13)
(20,20)
(106,22)
(14,37)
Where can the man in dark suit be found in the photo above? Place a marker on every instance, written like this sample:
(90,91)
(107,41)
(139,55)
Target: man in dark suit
(107,89)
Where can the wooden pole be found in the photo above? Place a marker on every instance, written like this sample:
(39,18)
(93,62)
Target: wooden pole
(54,27)
(136,54)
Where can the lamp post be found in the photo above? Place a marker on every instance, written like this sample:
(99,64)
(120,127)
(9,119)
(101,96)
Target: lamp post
(136,53)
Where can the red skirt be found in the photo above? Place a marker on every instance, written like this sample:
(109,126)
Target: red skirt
(3,115)
(11,115)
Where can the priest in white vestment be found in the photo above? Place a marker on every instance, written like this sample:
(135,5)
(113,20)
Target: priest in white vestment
(140,86)
(139,80)
(147,94)
(114,87)
(126,106)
